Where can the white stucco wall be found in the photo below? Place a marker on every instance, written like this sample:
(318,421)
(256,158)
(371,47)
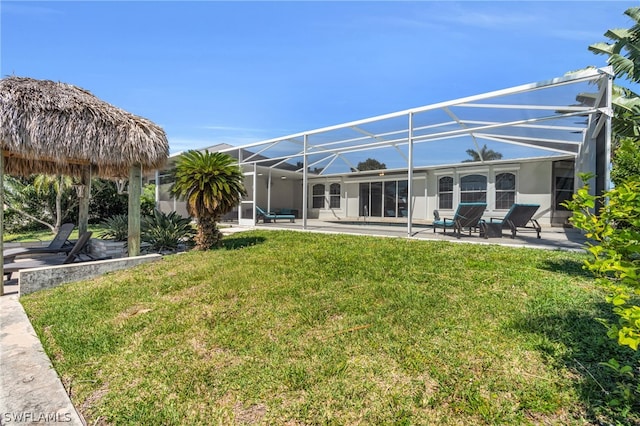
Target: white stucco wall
(534,184)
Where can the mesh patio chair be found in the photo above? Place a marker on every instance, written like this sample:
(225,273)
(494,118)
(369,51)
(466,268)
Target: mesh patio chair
(76,254)
(520,216)
(59,244)
(271,216)
(467,215)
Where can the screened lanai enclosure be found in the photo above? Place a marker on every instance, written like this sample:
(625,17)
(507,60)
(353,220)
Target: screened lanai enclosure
(547,133)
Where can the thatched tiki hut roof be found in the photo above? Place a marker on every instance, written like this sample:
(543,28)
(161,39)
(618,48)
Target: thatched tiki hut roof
(49,127)
(58,128)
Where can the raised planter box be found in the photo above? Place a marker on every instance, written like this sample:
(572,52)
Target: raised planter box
(108,248)
(31,280)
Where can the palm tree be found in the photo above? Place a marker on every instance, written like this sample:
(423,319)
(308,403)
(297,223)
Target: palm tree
(58,185)
(212,185)
(623,48)
(484,154)
(623,51)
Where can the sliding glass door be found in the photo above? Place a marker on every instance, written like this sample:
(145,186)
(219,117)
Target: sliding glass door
(384,199)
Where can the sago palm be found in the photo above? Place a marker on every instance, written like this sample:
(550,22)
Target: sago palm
(212,185)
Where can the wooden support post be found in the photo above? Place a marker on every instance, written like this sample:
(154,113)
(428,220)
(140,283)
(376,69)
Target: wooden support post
(83,198)
(2,222)
(135,189)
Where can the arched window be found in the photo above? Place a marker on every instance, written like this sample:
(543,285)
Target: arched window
(445,193)
(505,190)
(473,188)
(334,196)
(318,196)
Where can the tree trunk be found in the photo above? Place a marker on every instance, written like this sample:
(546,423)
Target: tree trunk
(58,218)
(208,236)
(22,212)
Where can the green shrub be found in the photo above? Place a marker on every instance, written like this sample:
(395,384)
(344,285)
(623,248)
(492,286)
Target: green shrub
(116,228)
(615,261)
(148,200)
(166,232)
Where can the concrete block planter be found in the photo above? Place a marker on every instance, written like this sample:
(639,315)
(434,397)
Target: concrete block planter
(108,248)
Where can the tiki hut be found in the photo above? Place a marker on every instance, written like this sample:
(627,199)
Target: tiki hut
(57,128)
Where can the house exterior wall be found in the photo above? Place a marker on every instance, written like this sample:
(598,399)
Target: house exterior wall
(533,185)
(285,194)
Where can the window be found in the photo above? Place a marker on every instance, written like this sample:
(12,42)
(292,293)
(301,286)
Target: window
(390,195)
(505,190)
(318,196)
(403,197)
(334,196)
(375,208)
(473,188)
(364,199)
(563,172)
(445,193)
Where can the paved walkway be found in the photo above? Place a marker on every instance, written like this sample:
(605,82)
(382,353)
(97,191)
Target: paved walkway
(31,391)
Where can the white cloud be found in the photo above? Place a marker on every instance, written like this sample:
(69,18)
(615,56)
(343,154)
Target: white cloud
(494,19)
(181,144)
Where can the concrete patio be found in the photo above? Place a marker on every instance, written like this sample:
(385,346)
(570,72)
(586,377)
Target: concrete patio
(552,238)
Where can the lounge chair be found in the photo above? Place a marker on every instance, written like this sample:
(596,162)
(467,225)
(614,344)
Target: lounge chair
(467,215)
(75,254)
(520,216)
(271,216)
(59,244)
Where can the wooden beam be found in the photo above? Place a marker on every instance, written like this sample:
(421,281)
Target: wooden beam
(83,208)
(135,189)
(2,224)
(13,154)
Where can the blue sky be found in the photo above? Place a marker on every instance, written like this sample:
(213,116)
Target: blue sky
(241,72)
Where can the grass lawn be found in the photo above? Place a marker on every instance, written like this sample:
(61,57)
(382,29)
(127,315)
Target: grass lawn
(300,328)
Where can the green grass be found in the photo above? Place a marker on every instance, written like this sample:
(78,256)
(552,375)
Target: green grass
(45,235)
(301,328)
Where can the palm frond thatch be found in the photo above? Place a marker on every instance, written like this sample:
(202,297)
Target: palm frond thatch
(52,127)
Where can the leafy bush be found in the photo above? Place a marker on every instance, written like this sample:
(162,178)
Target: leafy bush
(105,202)
(615,262)
(166,232)
(117,228)
(626,162)
(148,200)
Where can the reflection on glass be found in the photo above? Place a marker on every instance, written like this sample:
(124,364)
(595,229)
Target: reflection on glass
(334,196)
(318,196)
(390,199)
(564,182)
(403,196)
(473,189)
(375,209)
(364,200)
(505,190)
(445,193)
